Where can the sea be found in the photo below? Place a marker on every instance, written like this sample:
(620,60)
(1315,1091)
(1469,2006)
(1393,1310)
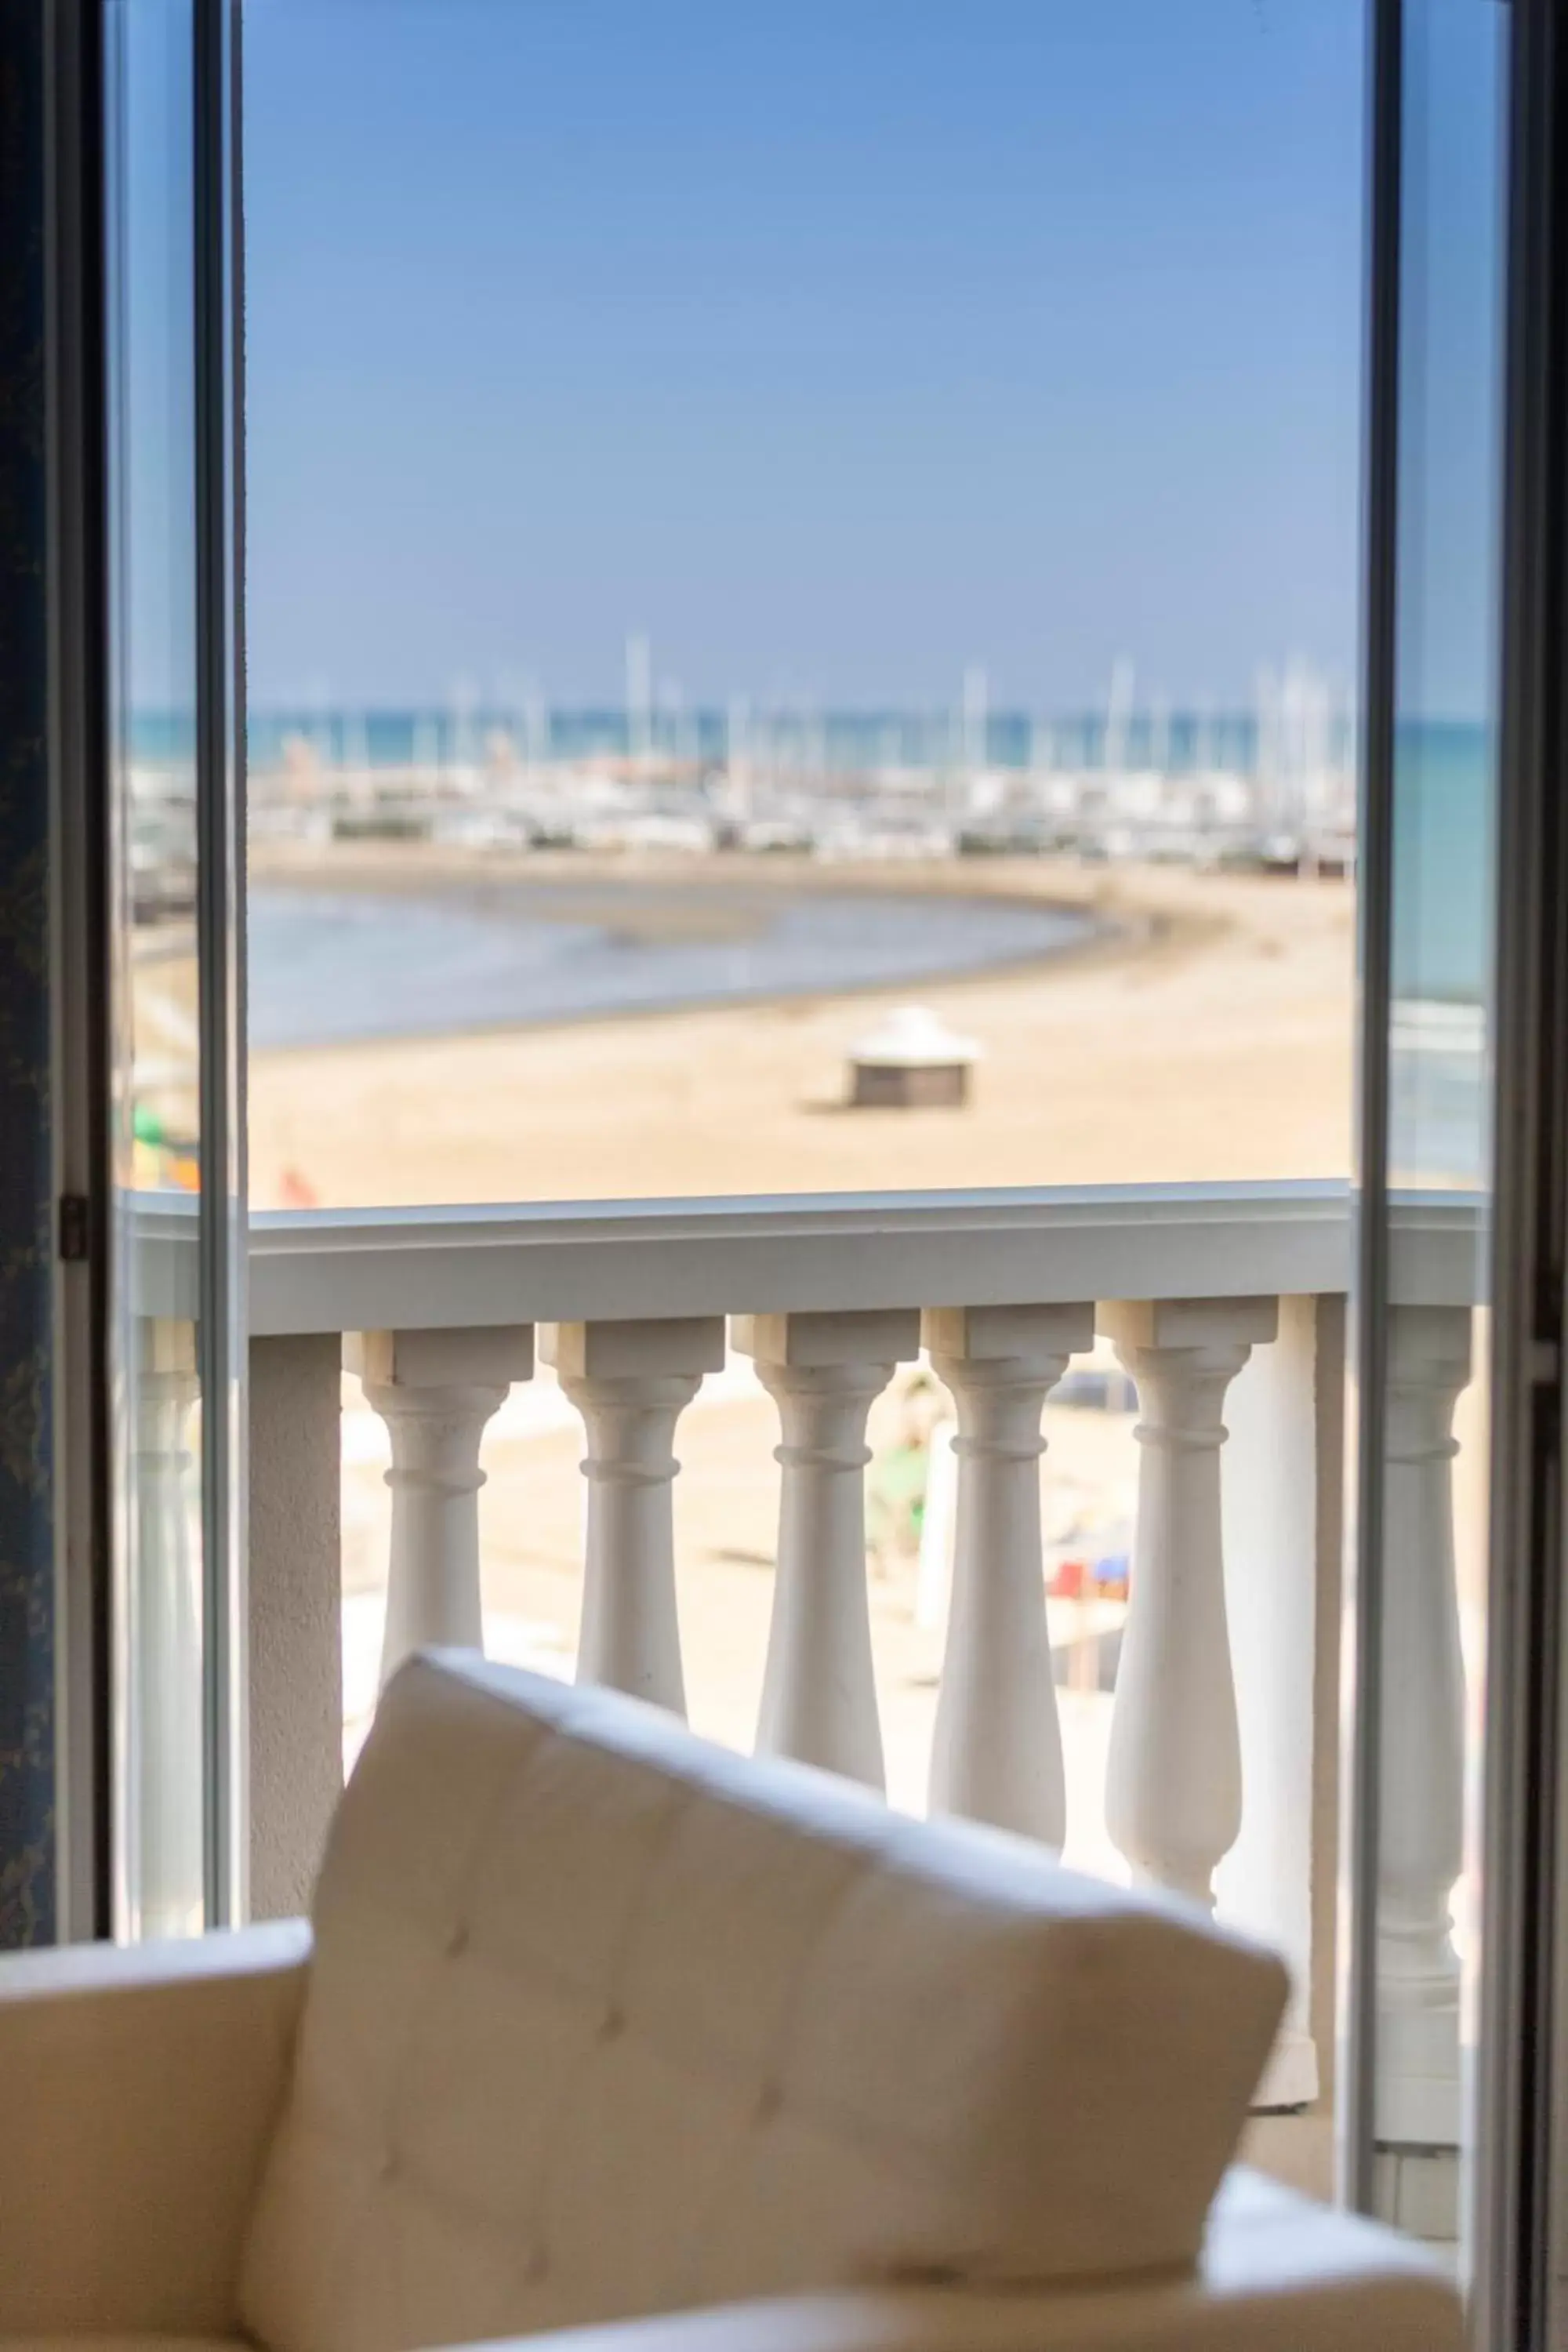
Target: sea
(1445,923)
(855,740)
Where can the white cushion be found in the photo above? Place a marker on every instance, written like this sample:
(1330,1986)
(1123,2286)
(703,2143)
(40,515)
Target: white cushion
(605,2021)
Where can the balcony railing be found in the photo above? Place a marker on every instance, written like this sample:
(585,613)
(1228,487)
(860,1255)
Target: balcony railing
(1225,1303)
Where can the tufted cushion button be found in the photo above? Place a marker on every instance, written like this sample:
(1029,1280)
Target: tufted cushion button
(613,2026)
(457,1940)
(537,2266)
(769,2099)
(387,2168)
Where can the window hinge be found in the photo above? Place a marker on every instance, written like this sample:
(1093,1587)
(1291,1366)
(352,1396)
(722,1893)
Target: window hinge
(75,1228)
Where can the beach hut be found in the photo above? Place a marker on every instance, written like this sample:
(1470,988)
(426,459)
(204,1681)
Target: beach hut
(912,1060)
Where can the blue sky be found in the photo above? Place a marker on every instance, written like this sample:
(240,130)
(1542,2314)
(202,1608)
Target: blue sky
(834,343)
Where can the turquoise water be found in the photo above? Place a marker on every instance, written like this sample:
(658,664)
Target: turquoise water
(1181,741)
(835,739)
(1444,916)
(1444,931)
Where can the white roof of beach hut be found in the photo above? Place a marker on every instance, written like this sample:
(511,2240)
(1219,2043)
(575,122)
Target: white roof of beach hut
(914,1038)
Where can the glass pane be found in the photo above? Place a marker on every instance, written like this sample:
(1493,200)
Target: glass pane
(1444,798)
(159,1707)
(802,594)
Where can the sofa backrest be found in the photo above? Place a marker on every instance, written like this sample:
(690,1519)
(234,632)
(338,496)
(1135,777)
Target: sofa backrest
(603,2020)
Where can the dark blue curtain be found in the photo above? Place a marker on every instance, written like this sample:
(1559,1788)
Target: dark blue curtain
(26,1553)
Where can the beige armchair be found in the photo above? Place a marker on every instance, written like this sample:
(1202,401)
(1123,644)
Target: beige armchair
(605,2032)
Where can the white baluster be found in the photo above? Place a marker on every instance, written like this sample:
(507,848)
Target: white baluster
(1421,1834)
(165,1640)
(824,1370)
(996,1752)
(631,1382)
(1172,1796)
(435,1391)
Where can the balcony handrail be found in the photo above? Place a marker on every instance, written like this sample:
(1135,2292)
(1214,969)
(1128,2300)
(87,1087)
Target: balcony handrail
(345,1270)
(317,1271)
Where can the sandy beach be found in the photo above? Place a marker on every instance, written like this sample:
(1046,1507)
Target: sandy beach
(1206,1035)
